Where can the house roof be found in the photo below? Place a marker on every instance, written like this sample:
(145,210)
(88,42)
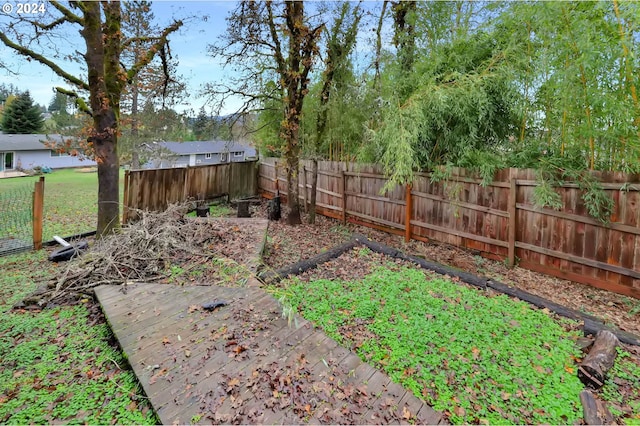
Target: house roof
(15,142)
(206,147)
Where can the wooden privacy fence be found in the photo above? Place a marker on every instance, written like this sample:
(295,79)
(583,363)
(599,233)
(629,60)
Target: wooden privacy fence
(155,189)
(498,221)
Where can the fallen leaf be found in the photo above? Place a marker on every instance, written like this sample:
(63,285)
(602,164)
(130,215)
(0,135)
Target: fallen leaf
(239,349)
(187,353)
(476,352)
(165,341)
(459,411)
(362,389)
(159,374)
(234,382)
(406,414)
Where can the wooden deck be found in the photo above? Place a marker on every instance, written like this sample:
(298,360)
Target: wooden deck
(243,363)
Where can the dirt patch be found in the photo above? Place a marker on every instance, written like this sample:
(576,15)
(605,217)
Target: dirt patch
(87,170)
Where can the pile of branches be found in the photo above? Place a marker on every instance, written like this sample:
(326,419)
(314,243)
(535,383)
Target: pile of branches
(142,252)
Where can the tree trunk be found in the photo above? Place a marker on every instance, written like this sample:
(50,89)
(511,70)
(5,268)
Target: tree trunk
(108,177)
(296,90)
(102,68)
(293,202)
(135,145)
(598,362)
(314,189)
(378,56)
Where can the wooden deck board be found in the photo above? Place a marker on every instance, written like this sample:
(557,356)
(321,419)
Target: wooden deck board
(243,363)
(187,332)
(231,367)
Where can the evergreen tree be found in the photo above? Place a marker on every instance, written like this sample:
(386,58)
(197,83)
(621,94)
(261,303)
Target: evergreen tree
(202,126)
(58,103)
(22,116)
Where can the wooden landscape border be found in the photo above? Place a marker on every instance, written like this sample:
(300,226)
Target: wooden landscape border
(498,221)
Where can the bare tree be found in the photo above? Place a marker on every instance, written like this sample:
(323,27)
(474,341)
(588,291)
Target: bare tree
(273,48)
(100,27)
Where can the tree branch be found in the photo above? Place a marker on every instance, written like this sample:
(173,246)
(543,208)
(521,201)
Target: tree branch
(80,103)
(155,48)
(39,58)
(68,15)
(277,48)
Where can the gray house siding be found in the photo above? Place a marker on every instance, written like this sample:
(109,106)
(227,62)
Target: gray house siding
(28,151)
(202,153)
(31,159)
(217,158)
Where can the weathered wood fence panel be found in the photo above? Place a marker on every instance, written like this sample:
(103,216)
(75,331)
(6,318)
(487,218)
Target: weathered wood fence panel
(155,189)
(499,220)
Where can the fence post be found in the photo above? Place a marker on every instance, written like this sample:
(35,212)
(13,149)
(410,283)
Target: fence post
(38,209)
(513,192)
(125,198)
(408,213)
(229,181)
(343,184)
(184,184)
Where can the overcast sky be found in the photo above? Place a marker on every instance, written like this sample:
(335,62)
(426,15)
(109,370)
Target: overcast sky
(189,45)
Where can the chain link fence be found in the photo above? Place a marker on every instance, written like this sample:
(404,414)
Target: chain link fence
(16,220)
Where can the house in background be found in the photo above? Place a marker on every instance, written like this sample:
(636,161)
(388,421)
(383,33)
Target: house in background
(182,154)
(24,152)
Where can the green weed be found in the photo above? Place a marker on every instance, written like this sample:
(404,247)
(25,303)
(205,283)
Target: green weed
(230,272)
(55,368)
(341,230)
(174,272)
(625,373)
(18,276)
(481,359)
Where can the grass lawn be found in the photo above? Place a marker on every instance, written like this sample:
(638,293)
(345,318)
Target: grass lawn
(482,360)
(60,365)
(70,200)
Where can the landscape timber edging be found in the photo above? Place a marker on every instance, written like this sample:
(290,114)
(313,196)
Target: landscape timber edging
(273,277)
